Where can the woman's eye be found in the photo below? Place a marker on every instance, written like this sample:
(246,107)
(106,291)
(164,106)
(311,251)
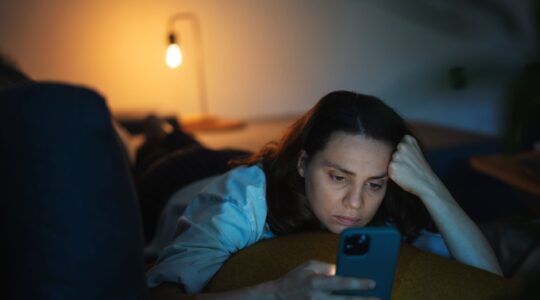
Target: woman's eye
(374,186)
(337,178)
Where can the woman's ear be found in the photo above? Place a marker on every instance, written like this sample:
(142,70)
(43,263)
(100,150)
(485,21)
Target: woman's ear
(301,163)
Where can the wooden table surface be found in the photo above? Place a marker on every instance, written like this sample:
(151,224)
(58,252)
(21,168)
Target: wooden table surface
(257,133)
(511,169)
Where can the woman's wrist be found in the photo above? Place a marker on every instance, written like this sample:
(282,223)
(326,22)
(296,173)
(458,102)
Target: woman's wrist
(434,191)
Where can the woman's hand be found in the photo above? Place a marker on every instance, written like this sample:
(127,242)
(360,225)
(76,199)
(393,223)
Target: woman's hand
(317,280)
(410,170)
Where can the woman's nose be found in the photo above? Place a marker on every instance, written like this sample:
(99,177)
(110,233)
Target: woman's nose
(354,198)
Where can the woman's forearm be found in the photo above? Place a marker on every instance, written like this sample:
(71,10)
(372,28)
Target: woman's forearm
(410,170)
(463,238)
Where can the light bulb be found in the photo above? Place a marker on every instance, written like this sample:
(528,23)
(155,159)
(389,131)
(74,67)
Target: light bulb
(174,56)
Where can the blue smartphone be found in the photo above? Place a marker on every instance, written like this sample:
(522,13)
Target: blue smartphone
(371,253)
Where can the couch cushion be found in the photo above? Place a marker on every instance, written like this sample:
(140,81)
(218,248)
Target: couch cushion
(419,275)
(69,214)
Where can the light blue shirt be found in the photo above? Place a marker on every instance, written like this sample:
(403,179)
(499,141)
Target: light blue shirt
(227,214)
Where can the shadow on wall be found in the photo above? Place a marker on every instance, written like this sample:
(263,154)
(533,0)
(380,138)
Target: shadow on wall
(457,17)
(467,19)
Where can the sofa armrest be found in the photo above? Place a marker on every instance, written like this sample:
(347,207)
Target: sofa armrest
(419,275)
(69,212)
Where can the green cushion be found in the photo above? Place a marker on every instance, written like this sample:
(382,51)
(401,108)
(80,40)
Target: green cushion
(419,275)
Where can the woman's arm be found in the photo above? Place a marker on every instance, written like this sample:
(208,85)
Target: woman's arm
(313,280)
(223,219)
(465,241)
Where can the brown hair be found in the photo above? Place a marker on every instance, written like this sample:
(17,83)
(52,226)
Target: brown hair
(340,111)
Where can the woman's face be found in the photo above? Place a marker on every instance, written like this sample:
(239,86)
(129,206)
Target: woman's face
(346,181)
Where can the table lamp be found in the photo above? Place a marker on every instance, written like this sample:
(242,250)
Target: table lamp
(204,121)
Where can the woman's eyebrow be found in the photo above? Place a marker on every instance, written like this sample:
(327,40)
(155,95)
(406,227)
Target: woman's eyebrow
(348,172)
(382,176)
(340,168)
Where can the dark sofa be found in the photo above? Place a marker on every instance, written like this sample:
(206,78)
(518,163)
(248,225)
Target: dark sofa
(70,221)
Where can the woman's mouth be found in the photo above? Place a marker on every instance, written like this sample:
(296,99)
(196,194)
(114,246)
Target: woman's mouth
(347,221)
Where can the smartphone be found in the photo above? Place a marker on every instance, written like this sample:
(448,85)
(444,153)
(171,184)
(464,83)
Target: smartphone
(371,253)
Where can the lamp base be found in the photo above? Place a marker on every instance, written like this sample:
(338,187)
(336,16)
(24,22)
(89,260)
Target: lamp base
(209,123)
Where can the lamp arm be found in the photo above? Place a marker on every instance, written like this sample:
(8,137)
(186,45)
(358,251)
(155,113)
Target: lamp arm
(201,76)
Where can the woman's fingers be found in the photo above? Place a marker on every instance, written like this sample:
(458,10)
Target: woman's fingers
(319,267)
(323,278)
(409,169)
(338,283)
(407,148)
(406,164)
(316,279)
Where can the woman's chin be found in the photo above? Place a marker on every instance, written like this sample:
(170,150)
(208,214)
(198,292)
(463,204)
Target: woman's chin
(337,228)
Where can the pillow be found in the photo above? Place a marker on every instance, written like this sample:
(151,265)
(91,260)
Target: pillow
(174,171)
(419,275)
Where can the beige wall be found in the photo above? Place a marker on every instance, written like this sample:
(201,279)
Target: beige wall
(266,58)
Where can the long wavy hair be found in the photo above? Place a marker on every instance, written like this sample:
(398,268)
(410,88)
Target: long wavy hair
(339,111)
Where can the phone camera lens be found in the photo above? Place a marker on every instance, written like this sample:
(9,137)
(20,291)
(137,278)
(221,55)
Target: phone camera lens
(356,244)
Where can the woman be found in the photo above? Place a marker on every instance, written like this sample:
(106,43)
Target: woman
(350,161)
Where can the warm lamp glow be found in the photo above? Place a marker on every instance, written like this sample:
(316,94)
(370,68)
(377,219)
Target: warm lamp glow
(174,56)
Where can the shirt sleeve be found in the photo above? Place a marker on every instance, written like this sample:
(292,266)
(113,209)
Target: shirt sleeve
(227,216)
(431,242)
